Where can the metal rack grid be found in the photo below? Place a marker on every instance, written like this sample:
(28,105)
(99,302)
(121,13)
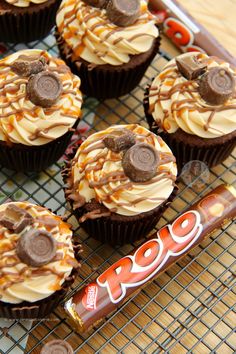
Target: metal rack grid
(188,309)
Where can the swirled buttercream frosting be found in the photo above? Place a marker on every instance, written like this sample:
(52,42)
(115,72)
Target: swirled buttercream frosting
(22,121)
(24,3)
(97,173)
(91,36)
(19,281)
(175,102)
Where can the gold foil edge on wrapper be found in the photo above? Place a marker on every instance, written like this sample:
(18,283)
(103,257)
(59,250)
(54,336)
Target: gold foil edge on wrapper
(215,209)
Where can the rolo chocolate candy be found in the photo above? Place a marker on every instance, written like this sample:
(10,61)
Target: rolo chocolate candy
(96,3)
(44,89)
(122,12)
(57,347)
(217,85)
(140,162)
(25,66)
(36,248)
(120,143)
(117,283)
(15,219)
(190,67)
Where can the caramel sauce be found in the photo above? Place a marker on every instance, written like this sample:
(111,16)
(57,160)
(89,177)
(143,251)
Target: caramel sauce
(9,277)
(64,228)
(5,245)
(189,87)
(10,128)
(56,286)
(78,52)
(169,83)
(98,182)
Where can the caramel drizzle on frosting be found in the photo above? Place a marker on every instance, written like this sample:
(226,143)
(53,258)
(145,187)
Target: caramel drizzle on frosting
(84,14)
(13,85)
(9,260)
(189,87)
(41,132)
(96,163)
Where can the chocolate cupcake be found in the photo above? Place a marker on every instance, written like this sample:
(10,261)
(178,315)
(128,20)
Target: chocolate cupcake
(120,182)
(37,260)
(192,105)
(40,105)
(26,20)
(109,44)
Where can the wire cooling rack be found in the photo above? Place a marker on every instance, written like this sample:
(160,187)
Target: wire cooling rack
(188,309)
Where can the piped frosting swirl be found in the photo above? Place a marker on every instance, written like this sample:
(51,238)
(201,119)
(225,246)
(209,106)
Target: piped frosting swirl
(20,282)
(97,173)
(175,102)
(95,39)
(23,122)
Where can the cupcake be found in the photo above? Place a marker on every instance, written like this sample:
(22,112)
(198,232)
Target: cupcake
(120,182)
(26,20)
(40,105)
(108,44)
(192,105)
(37,260)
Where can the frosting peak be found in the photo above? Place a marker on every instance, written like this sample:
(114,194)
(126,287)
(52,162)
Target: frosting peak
(92,37)
(97,173)
(24,122)
(20,281)
(175,102)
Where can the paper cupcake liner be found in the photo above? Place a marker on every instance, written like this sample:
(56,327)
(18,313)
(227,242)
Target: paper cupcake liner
(24,158)
(118,232)
(36,310)
(184,152)
(105,82)
(210,155)
(27,24)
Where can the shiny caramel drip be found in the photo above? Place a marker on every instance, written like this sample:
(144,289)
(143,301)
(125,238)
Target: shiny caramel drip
(189,87)
(40,132)
(9,260)
(13,85)
(83,14)
(96,163)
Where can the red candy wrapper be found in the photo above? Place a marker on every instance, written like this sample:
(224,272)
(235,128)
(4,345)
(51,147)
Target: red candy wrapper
(95,301)
(185,32)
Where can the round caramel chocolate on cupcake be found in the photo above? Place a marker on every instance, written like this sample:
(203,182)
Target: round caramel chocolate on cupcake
(120,181)
(123,13)
(217,86)
(36,248)
(40,108)
(57,346)
(140,162)
(192,102)
(37,255)
(44,89)
(117,39)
